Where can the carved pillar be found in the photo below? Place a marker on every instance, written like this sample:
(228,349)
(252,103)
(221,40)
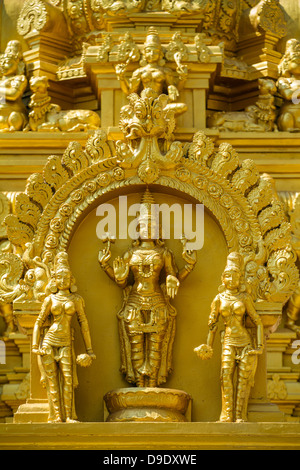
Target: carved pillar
(260,408)
(45,30)
(260,30)
(36,408)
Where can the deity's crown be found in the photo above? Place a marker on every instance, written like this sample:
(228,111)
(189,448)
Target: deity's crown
(61,262)
(152,38)
(235,261)
(147,207)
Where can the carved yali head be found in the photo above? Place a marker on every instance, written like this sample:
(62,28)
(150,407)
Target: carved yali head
(39,84)
(146,115)
(266,85)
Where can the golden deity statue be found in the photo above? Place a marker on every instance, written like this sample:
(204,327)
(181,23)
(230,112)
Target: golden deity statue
(147,319)
(13,83)
(54,345)
(154,74)
(288,86)
(239,352)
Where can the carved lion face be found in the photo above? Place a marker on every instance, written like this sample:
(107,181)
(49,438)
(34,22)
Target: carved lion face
(39,84)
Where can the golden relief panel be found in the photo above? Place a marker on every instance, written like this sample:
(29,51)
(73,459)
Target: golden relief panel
(155,71)
(68,187)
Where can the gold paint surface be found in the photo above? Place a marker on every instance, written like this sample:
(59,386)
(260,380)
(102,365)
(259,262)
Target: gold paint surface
(196,101)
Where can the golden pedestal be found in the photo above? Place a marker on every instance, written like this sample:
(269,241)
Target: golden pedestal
(154,436)
(147,405)
(155,133)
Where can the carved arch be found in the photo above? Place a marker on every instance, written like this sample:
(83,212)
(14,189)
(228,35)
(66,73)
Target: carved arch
(244,203)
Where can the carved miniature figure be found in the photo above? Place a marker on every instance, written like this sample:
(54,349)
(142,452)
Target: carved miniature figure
(34,284)
(288,87)
(147,318)
(117,7)
(259,117)
(187,6)
(55,343)
(11,270)
(46,116)
(239,353)
(13,83)
(154,74)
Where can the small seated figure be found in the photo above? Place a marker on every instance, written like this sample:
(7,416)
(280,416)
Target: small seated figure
(288,86)
(259,117)
(154,74)
(265,109)
(48,117)
(240,350)
(13,83)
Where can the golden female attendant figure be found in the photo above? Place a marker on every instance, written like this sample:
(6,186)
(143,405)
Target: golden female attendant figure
(56,345)
(13,82)
(154,74)
(233,303)
(147,319)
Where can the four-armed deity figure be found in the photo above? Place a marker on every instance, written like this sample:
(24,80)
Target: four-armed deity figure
(13,83)
(240,352)
(154,74)
(54,343)
(147,319)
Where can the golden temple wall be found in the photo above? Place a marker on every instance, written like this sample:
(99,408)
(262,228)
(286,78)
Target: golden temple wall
(80,78)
